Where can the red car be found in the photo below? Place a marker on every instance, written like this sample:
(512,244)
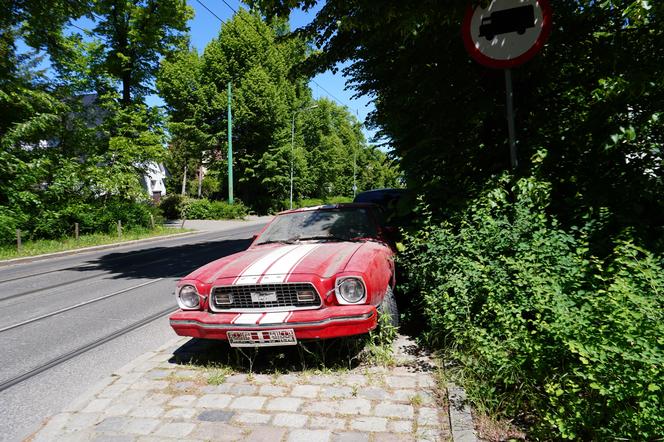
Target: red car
(313,273)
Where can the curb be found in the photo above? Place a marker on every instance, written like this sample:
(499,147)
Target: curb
(44,256)
(461,419)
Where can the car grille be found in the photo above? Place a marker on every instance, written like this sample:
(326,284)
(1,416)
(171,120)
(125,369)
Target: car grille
(286,296)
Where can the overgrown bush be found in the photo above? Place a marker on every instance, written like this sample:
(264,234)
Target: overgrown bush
(206,209)
(537,325)
(171,206)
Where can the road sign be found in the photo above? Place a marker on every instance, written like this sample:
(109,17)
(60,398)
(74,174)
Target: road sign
(508,32)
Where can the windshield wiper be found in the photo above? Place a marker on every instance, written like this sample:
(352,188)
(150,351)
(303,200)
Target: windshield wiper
(279,241)
(325,237)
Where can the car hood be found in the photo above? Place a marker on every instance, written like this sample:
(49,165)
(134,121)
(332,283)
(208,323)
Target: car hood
(277,263)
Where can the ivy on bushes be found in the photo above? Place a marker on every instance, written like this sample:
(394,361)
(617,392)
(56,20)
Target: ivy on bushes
(536,323)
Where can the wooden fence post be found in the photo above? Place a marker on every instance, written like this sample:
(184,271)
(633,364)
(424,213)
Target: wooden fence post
(119,228)
(76,231)
(152,221)
(18,240)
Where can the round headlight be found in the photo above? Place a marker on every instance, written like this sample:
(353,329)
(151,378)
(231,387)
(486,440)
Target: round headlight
(188,297)
(351,290)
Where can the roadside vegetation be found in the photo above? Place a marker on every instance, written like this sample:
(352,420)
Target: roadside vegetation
(77,137)
(42,246)
(541,287)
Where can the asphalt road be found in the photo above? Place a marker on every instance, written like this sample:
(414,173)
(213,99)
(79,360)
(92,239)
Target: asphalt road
(67,323)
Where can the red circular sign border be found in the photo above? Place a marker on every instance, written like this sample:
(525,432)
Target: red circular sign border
(506,64)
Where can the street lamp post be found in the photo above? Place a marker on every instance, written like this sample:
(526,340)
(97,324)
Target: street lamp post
(292,153)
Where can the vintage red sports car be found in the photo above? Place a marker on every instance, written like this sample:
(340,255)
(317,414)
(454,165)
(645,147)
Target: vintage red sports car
(313,273)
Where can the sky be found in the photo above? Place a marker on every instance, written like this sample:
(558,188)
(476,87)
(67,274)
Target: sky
(205,26)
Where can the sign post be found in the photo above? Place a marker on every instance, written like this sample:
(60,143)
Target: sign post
(504,35)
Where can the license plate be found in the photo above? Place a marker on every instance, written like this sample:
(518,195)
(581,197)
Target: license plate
(261,338)
(263,296)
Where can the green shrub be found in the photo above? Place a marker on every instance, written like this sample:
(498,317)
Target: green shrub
(537,325)
(9,222)
(171,206)
(205,209)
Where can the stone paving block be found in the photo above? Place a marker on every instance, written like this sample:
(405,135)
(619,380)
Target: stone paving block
(236,378)
(405,395)
(182,401)
(428,417)
(272,390)
(321,380)
(425,380)
(141,426)
(53,427)
(261,379)
(185,372)
(97,405)
(176,430)
(373,393)
(147,411)
(158,374)
(365,423)
(401,382)
(428,435)
(266,434)
(329,423)
(336,392)
(112,438)
(113,391)
(354,379)
(248,403)
(321,407)
(180,413)
(242,389)
(216,431)
(288,379)
(146,384)
(129,378)
(215,416)
(223,388)
(112,424)
(390,437)
(308,391)
(184,385)
(354,406)
(82,421)
(252,418)
(351,437)
(118,410)
(214,401)
(156,399)
(130,398)
(283,404)
(309,436)
(400,426)
(290,420)
(389,409)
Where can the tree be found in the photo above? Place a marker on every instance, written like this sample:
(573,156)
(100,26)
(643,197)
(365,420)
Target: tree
(134,36)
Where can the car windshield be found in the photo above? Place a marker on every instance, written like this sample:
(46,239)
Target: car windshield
(329,224)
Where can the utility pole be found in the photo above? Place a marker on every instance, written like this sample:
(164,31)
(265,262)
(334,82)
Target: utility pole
(292,151)
(230,148)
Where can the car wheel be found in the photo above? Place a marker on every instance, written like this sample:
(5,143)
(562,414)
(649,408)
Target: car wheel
(389,308)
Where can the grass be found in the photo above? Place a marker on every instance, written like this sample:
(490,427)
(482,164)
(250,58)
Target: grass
(43,246)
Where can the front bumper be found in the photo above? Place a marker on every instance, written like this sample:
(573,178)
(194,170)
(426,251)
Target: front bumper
(324,323)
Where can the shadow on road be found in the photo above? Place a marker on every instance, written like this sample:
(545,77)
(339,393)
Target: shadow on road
(332,354)
(164,262)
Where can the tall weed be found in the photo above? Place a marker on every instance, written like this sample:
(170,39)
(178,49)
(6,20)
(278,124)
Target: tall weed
(537,325)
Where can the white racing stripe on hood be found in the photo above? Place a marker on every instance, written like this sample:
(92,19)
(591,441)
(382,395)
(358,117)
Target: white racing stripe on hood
(258,267)
(278,272)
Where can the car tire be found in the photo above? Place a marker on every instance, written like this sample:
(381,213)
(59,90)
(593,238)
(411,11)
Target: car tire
(389,307)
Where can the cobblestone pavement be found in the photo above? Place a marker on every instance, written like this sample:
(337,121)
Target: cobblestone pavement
(155,398)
